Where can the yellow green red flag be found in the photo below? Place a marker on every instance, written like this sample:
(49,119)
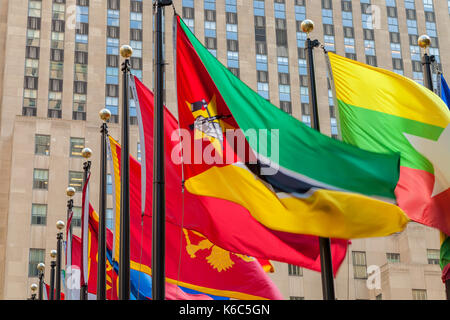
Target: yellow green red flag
(382,111)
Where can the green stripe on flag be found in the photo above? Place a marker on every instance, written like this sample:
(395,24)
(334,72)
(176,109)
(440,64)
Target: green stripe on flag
(385,133)
(445,253)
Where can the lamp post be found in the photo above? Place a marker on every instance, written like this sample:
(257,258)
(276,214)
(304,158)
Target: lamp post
(105,115)
(59,237)
(86,153)
(53,255)
(326,266)
(124,251)
(41,270)
(33,288)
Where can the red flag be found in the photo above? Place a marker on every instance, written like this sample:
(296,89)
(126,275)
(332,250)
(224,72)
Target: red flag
(192,260)
(47,290)
(92,240)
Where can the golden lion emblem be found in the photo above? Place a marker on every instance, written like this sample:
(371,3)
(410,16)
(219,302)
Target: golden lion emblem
(219,259)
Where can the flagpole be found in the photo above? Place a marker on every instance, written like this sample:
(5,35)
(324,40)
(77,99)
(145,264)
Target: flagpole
(33,288)
(105,114)
(159,214)
(70,192)
(41,270)
(124,258)
(59,237)
(86,153)
(424,42)
(53,254)
(324,243)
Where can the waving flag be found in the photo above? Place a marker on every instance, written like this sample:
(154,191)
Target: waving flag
(223,222)
(291,179)
(192,261)
(445,91)
(382,111)
(445,239)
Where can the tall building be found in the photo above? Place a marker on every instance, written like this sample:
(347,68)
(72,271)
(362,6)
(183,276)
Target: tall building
(60,65)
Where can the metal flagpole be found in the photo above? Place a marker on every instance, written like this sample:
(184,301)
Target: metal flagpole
(33,288)
(59,237)
(86,153)
(424,42)
(105,114)
(53,255)
(41,270)
(124,262)
(70,192)
(159,214)
(324,243)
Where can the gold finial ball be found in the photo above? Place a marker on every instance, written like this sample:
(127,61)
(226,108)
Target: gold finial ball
(60,225)
(105,114)
(53,253)
(126,51)
(86,153)
(41,267)
(70,191)
(307,26)
(34,287)
(424,41)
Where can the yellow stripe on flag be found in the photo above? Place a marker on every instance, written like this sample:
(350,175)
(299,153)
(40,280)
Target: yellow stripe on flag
(394,94)
(116,176)
(325,213)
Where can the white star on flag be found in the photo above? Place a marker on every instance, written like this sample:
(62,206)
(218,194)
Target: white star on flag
(438,153)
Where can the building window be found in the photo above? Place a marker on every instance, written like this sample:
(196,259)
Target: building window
(39,214)
(139,156)
(36,256)
(76,180)
(419,294)
(42,145)
(393,257)
(81,64)
(359,265)
(433,256)
(76,147)
(295,270)
(76,218)
(108,184)
(109,218)
(40,179)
